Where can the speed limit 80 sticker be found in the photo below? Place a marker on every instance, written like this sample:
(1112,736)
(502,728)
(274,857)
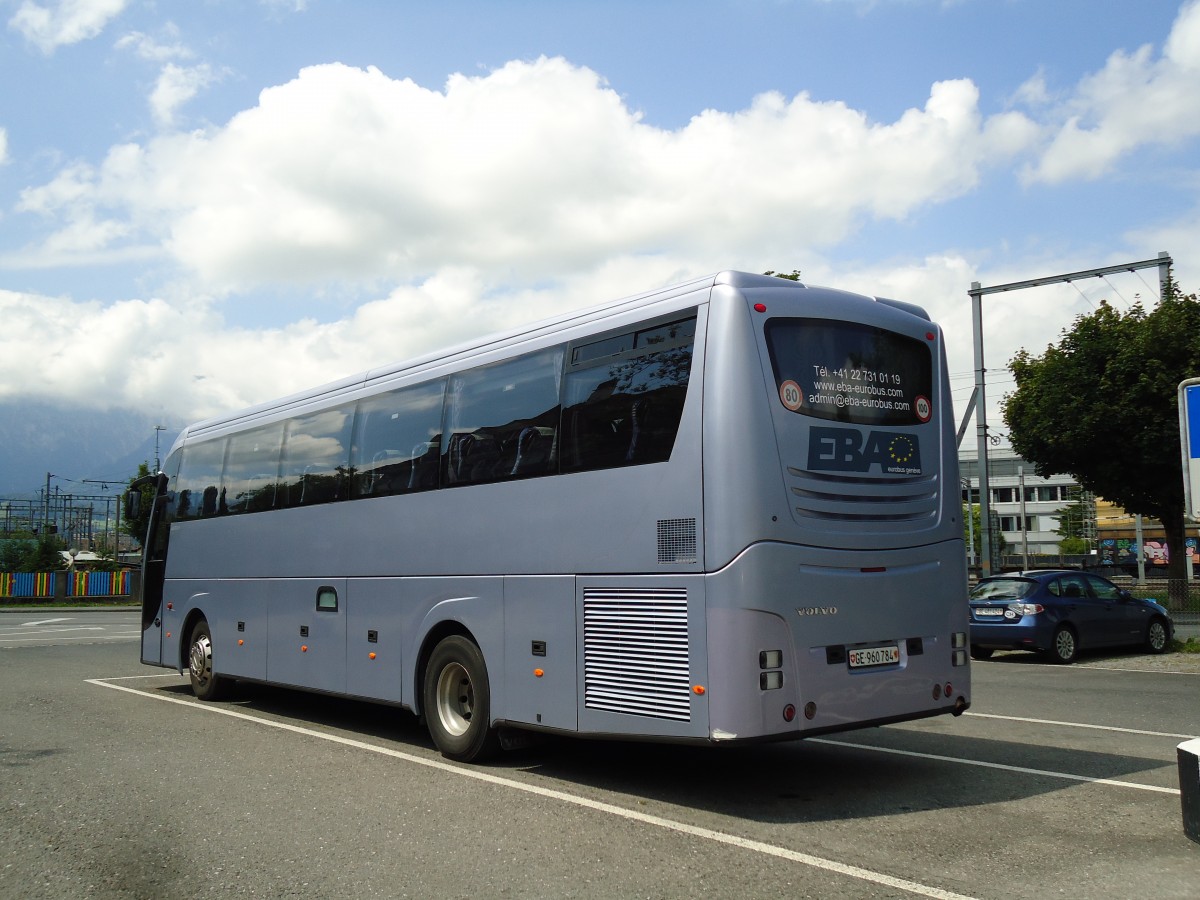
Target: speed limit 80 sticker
(791,395)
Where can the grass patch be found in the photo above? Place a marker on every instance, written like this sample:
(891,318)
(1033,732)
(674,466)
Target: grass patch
(1191,645)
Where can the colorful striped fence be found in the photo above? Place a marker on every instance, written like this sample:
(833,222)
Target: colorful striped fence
(27,584)
(41,585)
(99,584)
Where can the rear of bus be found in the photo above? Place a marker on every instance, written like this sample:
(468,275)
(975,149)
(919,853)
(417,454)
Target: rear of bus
(836,592)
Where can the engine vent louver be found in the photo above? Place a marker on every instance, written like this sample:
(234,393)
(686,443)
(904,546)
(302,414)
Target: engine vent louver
(676,541)
(840,503)
(635,652)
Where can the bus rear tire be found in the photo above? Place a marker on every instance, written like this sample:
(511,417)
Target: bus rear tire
(457,701)
(206,684)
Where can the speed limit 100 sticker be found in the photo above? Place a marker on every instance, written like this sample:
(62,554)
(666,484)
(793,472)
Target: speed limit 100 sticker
(791,395)
(923,408)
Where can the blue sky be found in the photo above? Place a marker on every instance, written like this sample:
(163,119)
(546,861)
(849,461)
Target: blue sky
(206,204)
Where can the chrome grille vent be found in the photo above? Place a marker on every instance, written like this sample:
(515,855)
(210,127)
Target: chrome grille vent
(635,652)
(902,503)
(676,541)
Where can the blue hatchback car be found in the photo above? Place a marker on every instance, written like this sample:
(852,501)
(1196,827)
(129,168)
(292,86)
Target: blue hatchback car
(1061,612)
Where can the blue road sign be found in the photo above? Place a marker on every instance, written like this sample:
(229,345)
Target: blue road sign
(1189,442)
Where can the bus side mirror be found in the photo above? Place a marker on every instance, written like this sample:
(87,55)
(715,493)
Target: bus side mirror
(133,505)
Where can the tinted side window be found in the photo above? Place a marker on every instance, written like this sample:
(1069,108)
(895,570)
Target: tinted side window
(252,469)
(502,419)
(625,410)
(397,441)
(316,457)
(1072,586)
(1105,590)
(199,480)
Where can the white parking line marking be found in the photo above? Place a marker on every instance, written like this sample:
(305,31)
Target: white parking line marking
(707,834)
(1068,776)
(1162,734)
(44,622)
(1093,667)
(46,631)
(120,636)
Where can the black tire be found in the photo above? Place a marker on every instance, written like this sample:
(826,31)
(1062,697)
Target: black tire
(457,701)
(981,652)
(1156,636)
(206,684)
(1064,647)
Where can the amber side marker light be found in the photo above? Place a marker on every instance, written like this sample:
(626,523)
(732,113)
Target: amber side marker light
(538,673)
(698,690)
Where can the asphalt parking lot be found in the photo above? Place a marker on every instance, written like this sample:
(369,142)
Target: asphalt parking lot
(1060,781)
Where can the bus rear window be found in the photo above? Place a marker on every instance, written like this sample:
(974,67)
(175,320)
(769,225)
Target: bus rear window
(850,372)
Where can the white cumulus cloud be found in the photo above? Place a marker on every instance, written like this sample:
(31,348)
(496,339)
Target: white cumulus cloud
(345,174)
(49,26)
(1137,99)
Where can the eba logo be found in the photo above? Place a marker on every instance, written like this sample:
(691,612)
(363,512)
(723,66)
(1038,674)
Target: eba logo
(849,450)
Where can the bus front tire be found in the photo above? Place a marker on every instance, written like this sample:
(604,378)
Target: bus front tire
(206,684)
(457,701)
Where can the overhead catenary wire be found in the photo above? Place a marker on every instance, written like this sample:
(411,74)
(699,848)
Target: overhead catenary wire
(1114,290)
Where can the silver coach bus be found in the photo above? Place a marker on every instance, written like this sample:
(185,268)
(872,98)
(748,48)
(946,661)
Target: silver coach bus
(723,511)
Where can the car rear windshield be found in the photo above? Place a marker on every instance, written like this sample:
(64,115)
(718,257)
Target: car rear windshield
(1003,589)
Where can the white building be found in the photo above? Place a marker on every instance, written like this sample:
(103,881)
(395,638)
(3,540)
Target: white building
(1029,523)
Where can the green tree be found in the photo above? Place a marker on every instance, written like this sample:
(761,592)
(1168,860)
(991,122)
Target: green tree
(1100,405)
(975,530)
(48,555)
(35,554)
(1072,524)
(795,276)
(13,553)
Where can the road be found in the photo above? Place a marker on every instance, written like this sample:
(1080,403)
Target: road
(52,626)
(1060,782)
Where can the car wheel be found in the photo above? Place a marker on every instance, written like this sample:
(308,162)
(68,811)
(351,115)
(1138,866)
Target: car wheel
(1065,645)
(981,652)
(1156,636)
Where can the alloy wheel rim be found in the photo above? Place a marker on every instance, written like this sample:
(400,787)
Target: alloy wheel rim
(1158,635)
(1065,644)
(200,660)
(455,699)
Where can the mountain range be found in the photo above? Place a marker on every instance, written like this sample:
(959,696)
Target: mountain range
(74,445)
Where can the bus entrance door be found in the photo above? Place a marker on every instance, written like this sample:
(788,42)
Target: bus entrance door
(154,562)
